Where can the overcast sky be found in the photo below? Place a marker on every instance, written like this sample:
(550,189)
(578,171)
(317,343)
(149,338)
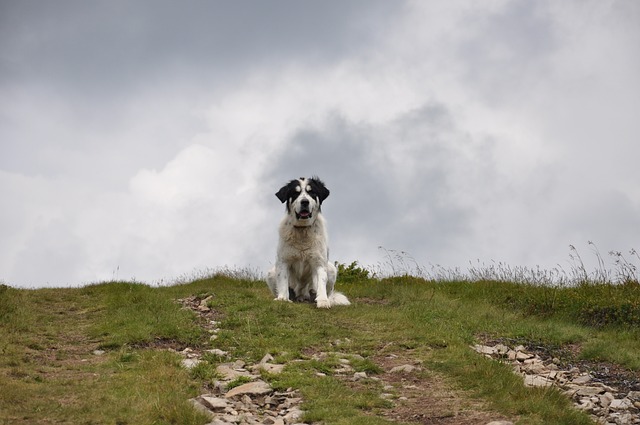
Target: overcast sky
(146,139)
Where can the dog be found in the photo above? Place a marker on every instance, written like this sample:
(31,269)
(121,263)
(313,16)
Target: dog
(302,271)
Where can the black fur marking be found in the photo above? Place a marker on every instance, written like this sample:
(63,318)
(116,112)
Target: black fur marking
(288,192)
(318,188)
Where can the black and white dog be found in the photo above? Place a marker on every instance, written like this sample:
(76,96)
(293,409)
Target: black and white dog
(303,271)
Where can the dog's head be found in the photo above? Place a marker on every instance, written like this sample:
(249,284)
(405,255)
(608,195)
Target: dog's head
(303,199)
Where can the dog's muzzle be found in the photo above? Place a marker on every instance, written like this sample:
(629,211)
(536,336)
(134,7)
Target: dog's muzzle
(304,213)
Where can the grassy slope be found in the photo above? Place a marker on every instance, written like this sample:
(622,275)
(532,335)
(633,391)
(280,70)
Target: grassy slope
(49,374)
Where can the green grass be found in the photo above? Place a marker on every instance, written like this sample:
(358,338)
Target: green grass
(48,372)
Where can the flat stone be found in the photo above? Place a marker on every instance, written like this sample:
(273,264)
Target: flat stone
(537,381)
(229,372)
(634,395)
(214,403)
(251,388)
(271,368)
(500,423)
(484,349)
(190,363)
(589,391)
(581,379)
(217,352)
(293,415)
(406,368)
(621,404)
(501,349)
(200,407)
(359,375)
(606,399)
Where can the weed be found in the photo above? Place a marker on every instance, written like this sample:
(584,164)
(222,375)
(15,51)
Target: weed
(240,380)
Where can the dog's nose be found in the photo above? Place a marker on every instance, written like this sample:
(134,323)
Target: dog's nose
(304,202)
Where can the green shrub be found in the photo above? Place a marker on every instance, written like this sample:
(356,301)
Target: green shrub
(351,273)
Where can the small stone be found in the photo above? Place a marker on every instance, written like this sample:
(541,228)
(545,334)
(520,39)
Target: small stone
(197,404)
(267,358)
(621,404)
(500,423)
(217,352)
(293,415)
(522,356)
(190,363)
(251,388)
(589,391)
(501,349)
(606,399)
(271,368)
(634,395)
(406,368)
(536,381)
(581,379)
(359,375)
(484,349)
(585,404)
(216,404)
(98,352)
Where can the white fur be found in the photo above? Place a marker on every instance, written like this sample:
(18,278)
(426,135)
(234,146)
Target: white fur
(302,263)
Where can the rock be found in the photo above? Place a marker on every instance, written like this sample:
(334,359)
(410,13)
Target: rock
(200,407)
(217,352)
(272,368)
(98,352)
(589,391)
(216,404)
(229,371)
(621,404)
(606,399)
(522,356)
(500,423)
(190,363)
(484,349)
(406,368)
(501,349)
(583,379)
(537,381)
(293,415)
(251,388)
(359,375)
(634,395)
(605,403)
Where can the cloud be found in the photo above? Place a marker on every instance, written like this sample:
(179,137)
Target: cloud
(147,140)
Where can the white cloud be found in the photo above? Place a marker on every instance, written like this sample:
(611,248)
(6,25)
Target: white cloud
(454,131)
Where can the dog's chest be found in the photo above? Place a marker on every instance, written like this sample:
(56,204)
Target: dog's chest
(302,244)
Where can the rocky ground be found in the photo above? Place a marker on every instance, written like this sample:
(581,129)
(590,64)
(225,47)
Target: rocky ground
(413,396)
(607,392)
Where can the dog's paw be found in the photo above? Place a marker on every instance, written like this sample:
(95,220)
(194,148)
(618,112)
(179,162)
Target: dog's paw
(281,298)
(323,304)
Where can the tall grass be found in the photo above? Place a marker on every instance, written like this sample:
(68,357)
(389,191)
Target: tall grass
(621,268)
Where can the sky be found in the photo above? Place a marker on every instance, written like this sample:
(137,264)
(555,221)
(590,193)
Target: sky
(145,140)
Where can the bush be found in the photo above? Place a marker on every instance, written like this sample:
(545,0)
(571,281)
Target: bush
(351,273)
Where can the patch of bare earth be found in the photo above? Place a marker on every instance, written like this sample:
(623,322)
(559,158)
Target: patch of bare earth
(423,397)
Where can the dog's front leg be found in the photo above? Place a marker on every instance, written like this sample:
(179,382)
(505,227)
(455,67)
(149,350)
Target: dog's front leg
(282,282)
(320,283)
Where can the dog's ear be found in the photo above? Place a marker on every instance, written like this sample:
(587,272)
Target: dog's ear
(319,188)
(283,193)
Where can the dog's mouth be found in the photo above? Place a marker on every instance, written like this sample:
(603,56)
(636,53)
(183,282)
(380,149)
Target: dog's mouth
(303,214)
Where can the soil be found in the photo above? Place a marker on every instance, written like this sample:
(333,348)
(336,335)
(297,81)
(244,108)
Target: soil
(424,397)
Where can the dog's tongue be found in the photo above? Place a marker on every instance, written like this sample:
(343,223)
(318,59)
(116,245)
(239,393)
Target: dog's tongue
(304,214)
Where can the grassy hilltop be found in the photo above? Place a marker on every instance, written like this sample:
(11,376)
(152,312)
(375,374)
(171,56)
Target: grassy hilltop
(50,371)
